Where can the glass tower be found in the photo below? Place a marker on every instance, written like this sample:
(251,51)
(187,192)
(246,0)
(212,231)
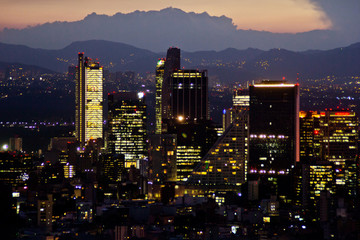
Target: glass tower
(189,98)
(127,127)
(158,105)
(89,100)
(274,127)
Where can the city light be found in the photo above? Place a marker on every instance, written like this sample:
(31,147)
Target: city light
(5,147)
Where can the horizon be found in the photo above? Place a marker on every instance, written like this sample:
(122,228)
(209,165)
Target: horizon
(184,50)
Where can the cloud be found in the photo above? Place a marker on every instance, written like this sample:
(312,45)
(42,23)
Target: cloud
(168,27)
(344,15)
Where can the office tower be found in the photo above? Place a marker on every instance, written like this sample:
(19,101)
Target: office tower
(310,136)
(332,136)
(189,119)
(89,100)
(171,65)
(182,109)
(315,178)
(127,126)
(340,136)
(187,158)
(158,97)
(183,92)
(179,93)
(189,95)
(162,158)
(194,139)
(274,127)
(226,162)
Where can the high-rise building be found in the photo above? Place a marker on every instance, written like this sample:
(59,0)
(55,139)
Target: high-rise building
(274,127)
(187,158)
(182,110)
(158,97)
(331,136)
(189,95)
(180,92)
(89,100)
(315,178)
(226,162)
(172,64)
(127,127)
(162,157)
(194,139)
(340,136)
(310,136)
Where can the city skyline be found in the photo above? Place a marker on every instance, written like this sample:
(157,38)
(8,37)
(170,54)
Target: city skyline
(267,173)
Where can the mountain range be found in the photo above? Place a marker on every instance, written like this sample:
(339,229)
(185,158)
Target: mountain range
(228,65)
(153,30)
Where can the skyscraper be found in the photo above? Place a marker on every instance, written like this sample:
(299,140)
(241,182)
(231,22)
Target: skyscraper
(329,135)
(88,100)
(310,136)
(182,109)
(158,97)
(332,137)
(127,126)
(189,95)
(179,93)
(172,64)
(340,136)
(274,127)
(162,157)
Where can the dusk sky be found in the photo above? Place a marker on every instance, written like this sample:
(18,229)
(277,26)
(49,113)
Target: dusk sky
(276,16)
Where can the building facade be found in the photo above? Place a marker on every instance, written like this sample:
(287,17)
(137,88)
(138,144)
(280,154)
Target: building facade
(274,127)
(158,97)
(127,127)
(89,100)
(189,95)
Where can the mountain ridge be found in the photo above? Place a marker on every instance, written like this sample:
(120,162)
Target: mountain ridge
(228,65)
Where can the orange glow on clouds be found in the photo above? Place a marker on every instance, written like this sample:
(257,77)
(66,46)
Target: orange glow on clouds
(276,16)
